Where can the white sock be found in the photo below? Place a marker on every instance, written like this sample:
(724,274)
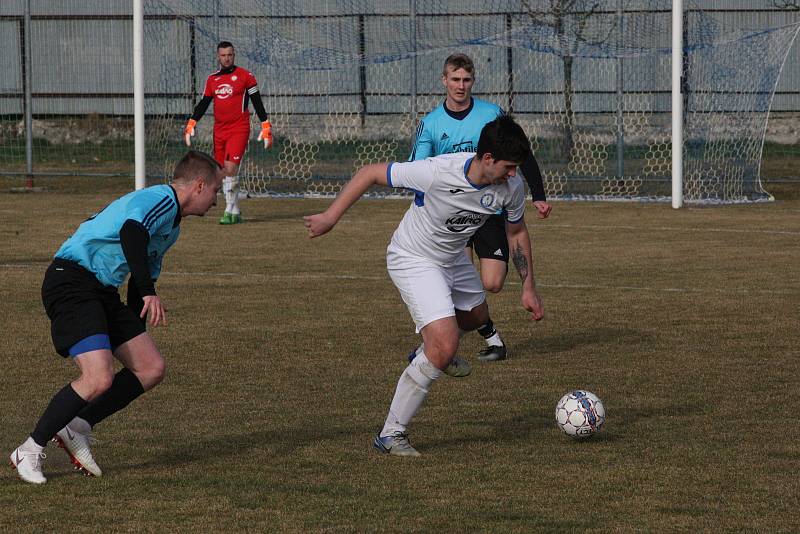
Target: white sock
(234,210)
(412,389)
(227,188)
(494,341)
(80,425)
(31,445)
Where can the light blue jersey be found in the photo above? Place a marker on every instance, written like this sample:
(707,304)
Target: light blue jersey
(440,132)
(95,245)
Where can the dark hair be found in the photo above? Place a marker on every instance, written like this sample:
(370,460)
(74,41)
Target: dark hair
(194,164)
(224,44)
(458,61)
(505,140)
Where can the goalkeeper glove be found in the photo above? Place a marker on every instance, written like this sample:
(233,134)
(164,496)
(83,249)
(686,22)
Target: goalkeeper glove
(266,134)
(188,132)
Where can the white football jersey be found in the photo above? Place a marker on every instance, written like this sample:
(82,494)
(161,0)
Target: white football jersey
(447,207)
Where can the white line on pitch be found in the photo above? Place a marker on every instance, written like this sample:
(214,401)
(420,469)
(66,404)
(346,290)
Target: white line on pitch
(676,229)
(318,276)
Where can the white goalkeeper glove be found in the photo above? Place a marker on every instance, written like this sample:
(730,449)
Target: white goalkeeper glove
(266,134)
(188,132)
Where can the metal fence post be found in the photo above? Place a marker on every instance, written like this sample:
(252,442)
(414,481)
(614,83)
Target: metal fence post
(28,98)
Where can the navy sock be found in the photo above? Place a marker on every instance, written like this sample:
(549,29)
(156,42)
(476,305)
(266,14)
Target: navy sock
(62,408)
(487,330)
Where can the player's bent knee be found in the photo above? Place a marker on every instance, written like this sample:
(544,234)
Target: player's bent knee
(474,318)
(152,374)
(93,385)
(442,351)
(159,371)
(493,286)
(103,383)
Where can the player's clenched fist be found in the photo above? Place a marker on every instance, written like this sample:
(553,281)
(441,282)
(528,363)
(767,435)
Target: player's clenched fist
(266,134)
(188,132)
(318,224)
(542,208)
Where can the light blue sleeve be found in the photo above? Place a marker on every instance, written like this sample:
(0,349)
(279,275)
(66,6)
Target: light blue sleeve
(423,143)
(155,267)
(156,260)
(156,211)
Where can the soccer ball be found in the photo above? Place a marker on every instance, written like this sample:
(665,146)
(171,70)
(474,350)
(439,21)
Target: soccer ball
(580,414)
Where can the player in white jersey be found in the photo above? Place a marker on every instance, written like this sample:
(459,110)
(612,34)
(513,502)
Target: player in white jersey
(443,292)
(455,126)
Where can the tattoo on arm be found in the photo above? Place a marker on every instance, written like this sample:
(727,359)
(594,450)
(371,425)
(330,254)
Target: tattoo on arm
(520,262)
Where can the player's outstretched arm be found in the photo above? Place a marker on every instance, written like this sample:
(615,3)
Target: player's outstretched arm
(363,179)
(519,247)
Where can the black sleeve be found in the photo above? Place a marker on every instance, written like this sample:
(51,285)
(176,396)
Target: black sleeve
(135,300)
(530,170)
(258,105)
(134,238)
(201,107)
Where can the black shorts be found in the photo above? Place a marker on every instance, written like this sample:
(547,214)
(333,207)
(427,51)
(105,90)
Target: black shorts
(490,240)
(79,306)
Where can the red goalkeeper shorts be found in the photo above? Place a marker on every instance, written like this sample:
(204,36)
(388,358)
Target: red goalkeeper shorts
(230,145)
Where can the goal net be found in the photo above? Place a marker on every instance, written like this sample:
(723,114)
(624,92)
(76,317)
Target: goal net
(345,83)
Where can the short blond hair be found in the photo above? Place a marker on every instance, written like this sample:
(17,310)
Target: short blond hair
(194,164)
(458,61)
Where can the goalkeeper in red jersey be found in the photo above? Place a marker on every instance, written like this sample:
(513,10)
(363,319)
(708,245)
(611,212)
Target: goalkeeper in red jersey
(231,88)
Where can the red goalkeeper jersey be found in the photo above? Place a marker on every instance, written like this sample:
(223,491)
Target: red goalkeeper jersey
(231,94)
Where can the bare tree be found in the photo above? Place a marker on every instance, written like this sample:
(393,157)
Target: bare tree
(789,5)
(569,20)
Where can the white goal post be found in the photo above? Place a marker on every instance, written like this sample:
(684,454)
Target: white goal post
(677,104)
(138,95)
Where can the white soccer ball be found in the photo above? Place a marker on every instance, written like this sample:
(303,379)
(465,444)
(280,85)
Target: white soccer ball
(580,414)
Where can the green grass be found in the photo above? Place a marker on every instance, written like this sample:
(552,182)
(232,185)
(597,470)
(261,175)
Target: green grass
(283,354)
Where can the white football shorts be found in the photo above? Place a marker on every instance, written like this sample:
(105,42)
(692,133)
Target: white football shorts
(432,291)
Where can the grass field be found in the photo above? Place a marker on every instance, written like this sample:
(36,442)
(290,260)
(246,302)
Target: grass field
(283,354)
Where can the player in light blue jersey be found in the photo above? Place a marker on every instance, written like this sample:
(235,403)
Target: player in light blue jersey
(89,322)
(445,131)
(455,126)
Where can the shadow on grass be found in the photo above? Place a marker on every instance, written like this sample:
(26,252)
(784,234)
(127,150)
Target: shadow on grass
(539,424)
(571,340)
(281,442)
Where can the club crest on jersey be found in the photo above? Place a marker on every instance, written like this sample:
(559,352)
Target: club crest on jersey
(487,200)
(234,77)
(463,220)
(224,91)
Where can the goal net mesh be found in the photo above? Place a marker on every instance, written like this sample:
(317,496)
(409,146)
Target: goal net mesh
(345,83)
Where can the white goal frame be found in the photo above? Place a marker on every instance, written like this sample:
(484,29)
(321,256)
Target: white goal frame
(676,108)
